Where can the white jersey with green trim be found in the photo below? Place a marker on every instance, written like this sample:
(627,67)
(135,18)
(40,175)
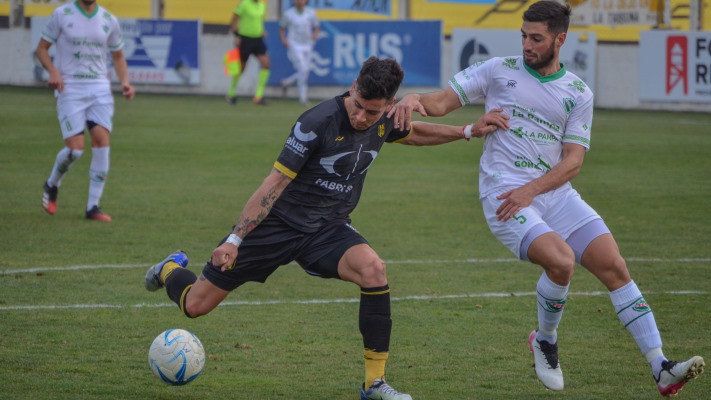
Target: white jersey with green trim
(82,42)
(544,111)
(300,25)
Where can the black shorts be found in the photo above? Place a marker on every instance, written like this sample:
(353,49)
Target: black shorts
(274,243)
(249,46)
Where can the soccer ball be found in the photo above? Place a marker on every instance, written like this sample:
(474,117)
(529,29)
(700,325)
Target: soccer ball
(176,356)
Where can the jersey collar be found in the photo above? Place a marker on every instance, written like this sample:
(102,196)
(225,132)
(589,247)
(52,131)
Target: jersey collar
(81,10)
(546,78)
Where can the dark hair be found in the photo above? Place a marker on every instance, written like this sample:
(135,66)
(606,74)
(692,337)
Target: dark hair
(554,14)
(379,79)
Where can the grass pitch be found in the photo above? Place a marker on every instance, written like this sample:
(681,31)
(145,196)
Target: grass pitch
(76,322)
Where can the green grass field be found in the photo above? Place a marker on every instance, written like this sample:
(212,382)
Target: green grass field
(76,322)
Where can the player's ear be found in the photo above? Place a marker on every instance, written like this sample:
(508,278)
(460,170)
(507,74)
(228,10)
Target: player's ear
(392,101)
(352,87)
(560,39)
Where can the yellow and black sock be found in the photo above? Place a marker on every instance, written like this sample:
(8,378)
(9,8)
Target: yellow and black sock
(177,284)
(375,326)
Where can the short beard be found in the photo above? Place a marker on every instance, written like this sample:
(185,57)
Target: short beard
(545,61)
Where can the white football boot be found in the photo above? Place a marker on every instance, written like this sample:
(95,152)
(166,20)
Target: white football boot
(545,356)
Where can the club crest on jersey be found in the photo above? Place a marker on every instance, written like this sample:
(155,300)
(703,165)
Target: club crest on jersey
(381,130)
(568,104)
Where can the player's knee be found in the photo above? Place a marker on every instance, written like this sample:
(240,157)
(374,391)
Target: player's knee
(373,273)
(74,154)
(563,267)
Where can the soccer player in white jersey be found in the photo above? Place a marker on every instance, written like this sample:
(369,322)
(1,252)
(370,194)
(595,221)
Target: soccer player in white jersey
(84,33)
(299,29)
(524,184)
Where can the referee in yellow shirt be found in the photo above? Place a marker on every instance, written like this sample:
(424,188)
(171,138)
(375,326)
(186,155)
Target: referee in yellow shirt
(248,27)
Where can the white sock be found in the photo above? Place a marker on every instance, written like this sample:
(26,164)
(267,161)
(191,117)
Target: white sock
(551,301)
(65,158)
(637,317)
(98,171)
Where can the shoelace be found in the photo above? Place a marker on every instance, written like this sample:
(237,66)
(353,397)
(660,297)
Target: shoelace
(666,366)
(387,389)
(550,351)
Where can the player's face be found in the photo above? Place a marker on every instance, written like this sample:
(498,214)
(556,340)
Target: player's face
(364,113)
(540,46)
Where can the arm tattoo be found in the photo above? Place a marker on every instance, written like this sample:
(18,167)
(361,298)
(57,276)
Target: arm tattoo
(246,224)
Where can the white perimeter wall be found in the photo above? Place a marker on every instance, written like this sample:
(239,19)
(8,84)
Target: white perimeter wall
(617,78)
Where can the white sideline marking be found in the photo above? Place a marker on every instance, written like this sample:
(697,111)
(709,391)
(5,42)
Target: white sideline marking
(320,301)
(390,262)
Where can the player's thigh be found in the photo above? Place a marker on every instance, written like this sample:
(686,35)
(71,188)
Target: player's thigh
(566,212)
(511,233)
(101,113)
(322,253)
(71,112)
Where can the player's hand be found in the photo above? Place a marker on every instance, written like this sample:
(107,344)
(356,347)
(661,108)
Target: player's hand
(128,91)
(56,81)
(224,256)
(514,201)
(402,111)
(490,122)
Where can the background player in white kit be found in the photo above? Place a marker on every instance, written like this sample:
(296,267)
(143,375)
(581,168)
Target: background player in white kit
(525,190)
(84,33)
(299,29)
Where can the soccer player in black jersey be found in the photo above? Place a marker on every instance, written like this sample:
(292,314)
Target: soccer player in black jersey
(301,212)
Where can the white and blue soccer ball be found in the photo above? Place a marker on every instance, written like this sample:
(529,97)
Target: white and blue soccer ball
(176,356)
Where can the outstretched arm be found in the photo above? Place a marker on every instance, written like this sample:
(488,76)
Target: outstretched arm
(429,134)
(521,197)
(435,104)
(254,212)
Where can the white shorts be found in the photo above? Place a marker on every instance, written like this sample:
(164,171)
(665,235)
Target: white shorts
(562,211)
(77,104)
(300,56)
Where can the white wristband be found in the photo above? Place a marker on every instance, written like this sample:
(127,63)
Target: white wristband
(467,131)
(234,239)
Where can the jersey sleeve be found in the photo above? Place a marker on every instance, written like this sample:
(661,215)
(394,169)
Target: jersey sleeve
(579,124)
(115,39)
(472,82)
(298,148)
(53,29)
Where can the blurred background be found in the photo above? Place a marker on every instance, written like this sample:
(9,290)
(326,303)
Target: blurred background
(634,54)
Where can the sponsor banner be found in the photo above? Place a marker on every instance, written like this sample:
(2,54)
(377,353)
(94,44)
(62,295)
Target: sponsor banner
(344,45)
(54,3)
(473,45)
(675,66)
(380,7)
(156,51)
(613,12)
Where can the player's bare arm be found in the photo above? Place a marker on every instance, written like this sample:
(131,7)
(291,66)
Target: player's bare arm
(121,68)
(517,199)
(257,208)
(429,134)
(434,104)
(42,53)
